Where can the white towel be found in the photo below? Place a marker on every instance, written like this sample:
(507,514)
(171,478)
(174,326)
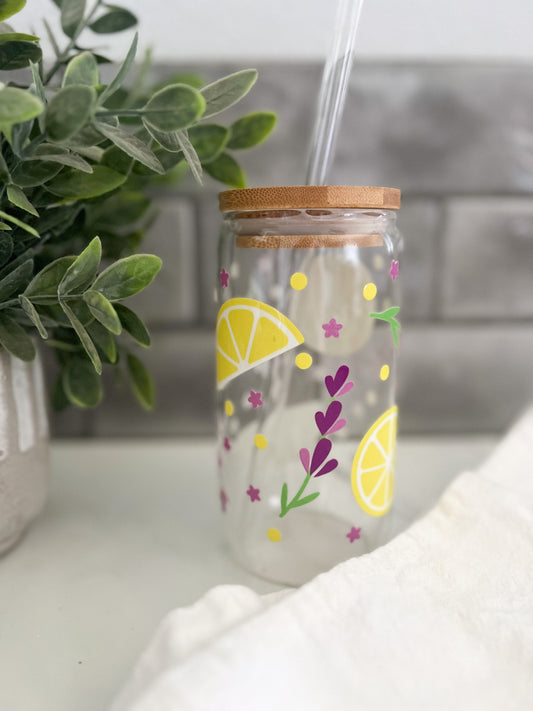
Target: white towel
(440,618)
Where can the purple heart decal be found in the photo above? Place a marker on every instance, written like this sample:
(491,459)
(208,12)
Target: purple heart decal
(322,449)
(334,384)
(337,426)
(325,421)
(305,458)
(345,388)
(328,467)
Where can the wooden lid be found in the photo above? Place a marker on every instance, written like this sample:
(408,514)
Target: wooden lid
(286,197)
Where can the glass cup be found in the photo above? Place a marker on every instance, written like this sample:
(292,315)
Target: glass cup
(306,341)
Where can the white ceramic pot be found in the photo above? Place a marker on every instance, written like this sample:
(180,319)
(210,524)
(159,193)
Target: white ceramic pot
(24,452)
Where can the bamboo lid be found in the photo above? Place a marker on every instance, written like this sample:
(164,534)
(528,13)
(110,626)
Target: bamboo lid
(286,197)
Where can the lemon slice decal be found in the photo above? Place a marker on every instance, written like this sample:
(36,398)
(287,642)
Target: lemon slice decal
(373,465)
(249,333)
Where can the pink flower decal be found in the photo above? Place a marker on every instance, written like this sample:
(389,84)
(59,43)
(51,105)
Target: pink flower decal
(224,278)
(255,399)
(227,445)
(353,534)
(253,493)
(394,269)
(331,328)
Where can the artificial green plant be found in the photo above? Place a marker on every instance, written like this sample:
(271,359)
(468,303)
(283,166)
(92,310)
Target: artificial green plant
(77,158)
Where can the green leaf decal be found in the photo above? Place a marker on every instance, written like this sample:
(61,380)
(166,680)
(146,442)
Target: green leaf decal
(103,311)
(251,130)
(81,383)
(127,276)
(68,111)
(15,339)
(225,92)
(141,381)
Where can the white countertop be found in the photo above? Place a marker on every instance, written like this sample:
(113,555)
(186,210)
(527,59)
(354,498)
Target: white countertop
(131,531)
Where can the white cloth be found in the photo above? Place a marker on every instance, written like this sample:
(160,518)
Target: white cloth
(440,618)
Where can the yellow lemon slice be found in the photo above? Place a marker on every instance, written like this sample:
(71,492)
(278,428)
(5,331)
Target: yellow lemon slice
(249,333)
(373,465)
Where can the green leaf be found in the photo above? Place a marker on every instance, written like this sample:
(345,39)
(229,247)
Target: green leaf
(16,197)
(37,89)
(81,384)
(4,226)
(4,170)
(11,36)
(84,337)
(225,92)
(179,141)
(194,80)
(68,111)
(33,315)
(305,500)
(104,341)
(15,339)
(116,159)
(72,16)
(6,245)
(103,311)
(227,170)
(131,145)
(70,159)
(133,325)
(82,70)
(17,54)
(251,130)
(128,276)
(17,105)
(142,383)
(19,223)
(16,281)
(174,107)
(116,20)
(209,140)
(73,185)
(47,281)
(122,73)
(121,208)
(59,399)
(83,269)
(10,7)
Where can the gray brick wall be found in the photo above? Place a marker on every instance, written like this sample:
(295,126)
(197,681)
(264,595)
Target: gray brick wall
(458,140)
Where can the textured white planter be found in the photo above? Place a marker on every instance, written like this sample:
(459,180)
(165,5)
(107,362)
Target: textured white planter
(24,457)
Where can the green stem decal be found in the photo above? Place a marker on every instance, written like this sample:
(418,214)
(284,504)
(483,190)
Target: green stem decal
(389,315)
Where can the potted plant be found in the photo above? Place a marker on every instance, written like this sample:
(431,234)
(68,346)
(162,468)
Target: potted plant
(76,157)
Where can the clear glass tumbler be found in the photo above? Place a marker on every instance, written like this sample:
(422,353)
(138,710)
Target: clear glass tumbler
(306,342)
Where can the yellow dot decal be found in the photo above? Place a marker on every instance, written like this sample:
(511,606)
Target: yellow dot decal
(370,291)
(384,372)
(274,534)
(260,441)
(298,281)
(228,406)
(303,361)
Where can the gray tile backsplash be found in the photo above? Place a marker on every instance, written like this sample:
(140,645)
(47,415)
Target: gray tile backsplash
(458,140)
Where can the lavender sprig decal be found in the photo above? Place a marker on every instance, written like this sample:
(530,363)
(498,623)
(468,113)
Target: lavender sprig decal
(327,422)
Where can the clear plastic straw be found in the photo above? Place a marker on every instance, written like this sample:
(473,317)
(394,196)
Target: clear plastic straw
(332,95)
